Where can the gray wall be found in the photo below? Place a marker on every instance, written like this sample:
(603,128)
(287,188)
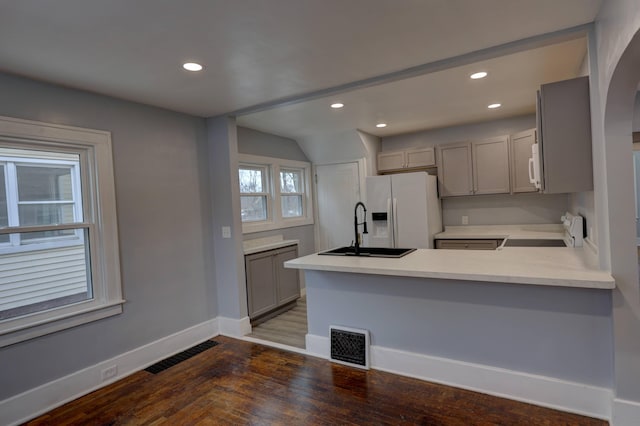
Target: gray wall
(255,142)
(499,209)
(551,331)
(163,209)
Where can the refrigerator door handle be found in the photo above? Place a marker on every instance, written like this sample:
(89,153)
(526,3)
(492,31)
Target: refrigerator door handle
(390,222)
(394,217)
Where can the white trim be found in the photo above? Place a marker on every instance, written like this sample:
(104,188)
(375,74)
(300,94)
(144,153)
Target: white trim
(34,402)
(625,413)
(274,215)
(533,389)
(232,327)
(275,345)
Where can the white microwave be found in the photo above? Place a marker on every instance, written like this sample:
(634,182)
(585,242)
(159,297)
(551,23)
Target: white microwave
(535,172)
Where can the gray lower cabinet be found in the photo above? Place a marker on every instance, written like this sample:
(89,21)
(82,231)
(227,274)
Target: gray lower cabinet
(269,284)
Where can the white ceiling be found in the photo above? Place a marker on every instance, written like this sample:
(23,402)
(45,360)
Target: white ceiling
(254,51)
(432,100)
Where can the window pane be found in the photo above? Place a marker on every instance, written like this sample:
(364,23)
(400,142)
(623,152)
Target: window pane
(290,181)
(253,208)
(251,180)
(35,281)
(45,214)
(291,205)
(37,183)
(4,217)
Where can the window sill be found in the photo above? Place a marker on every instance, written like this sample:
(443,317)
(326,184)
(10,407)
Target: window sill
(248,228)
(20,333)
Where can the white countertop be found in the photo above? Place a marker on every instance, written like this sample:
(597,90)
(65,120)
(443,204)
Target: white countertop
(550,266)
(266,243)
(530,232)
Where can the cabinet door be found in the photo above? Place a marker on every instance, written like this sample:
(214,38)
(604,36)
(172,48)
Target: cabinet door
(261,283)
(424,157)
(520,154)
(565,136)
(491,166)
(454,169)
(390,161)
(288,279)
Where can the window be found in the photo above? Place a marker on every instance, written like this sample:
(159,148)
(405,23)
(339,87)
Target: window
(291,192)
(254,193)
(274,193)
(58,233)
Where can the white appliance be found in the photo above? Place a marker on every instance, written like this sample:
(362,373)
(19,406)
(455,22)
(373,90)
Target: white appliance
(573,229)
(403,210)
(535,171)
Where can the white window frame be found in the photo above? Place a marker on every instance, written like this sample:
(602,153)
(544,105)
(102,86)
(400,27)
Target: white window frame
(11,163)
(292,194)
(99,218)
(266,193)
(275,219)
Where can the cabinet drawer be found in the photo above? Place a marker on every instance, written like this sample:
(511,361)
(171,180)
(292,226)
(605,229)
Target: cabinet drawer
(468,244)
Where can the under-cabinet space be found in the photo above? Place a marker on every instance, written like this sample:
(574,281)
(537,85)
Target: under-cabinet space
(270,286)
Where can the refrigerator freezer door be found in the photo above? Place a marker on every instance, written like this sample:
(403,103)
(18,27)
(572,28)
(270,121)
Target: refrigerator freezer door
(379,206)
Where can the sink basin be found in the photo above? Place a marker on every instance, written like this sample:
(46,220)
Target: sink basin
(534,243)
(369,251)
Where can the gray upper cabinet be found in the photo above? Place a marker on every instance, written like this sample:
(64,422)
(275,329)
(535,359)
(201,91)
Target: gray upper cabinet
(474,168)
(520,154)
(491,166)
(416,158)
(564,136)
(454,169)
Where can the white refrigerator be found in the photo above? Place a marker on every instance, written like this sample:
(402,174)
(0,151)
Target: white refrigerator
(403,210)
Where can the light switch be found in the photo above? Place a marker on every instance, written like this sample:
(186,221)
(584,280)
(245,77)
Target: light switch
(226,232)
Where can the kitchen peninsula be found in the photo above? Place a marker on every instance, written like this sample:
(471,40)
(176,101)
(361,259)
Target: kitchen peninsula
(533,323)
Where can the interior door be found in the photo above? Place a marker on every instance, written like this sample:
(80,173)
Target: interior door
(338,191)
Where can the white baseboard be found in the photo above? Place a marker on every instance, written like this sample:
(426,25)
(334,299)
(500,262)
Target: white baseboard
(34,402)
(539,390)
(234,327)
(625,413)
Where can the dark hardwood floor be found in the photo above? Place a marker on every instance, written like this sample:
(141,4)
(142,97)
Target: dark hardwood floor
(239,383)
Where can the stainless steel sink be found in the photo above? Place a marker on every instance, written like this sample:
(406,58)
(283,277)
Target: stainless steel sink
(369,251)
(534,243)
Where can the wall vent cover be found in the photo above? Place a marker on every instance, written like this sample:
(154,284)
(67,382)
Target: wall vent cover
(349,346)
(179,357)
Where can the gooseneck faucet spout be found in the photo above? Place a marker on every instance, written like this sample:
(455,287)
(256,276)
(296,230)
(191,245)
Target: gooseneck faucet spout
(355,226)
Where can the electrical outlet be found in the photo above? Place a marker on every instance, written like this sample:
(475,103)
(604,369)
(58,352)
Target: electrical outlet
(109,372)
(226,232)
(465,220)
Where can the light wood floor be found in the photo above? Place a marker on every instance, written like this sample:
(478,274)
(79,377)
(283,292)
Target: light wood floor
(241,383)
(289,328)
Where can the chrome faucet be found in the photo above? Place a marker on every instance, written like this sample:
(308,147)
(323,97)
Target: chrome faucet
(355,226)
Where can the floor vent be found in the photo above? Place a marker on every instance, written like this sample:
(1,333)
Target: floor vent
(179,357)
(350,346)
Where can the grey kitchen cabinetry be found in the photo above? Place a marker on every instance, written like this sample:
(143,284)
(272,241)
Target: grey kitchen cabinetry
(270,285)
(455,169)
(471,244)
(416,158)
(474,168)
(564,136)
(520,154)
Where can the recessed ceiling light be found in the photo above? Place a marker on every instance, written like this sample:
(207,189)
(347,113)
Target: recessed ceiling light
(192,66)
(381,125)
(337,105)
(478,75)
(493,106)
